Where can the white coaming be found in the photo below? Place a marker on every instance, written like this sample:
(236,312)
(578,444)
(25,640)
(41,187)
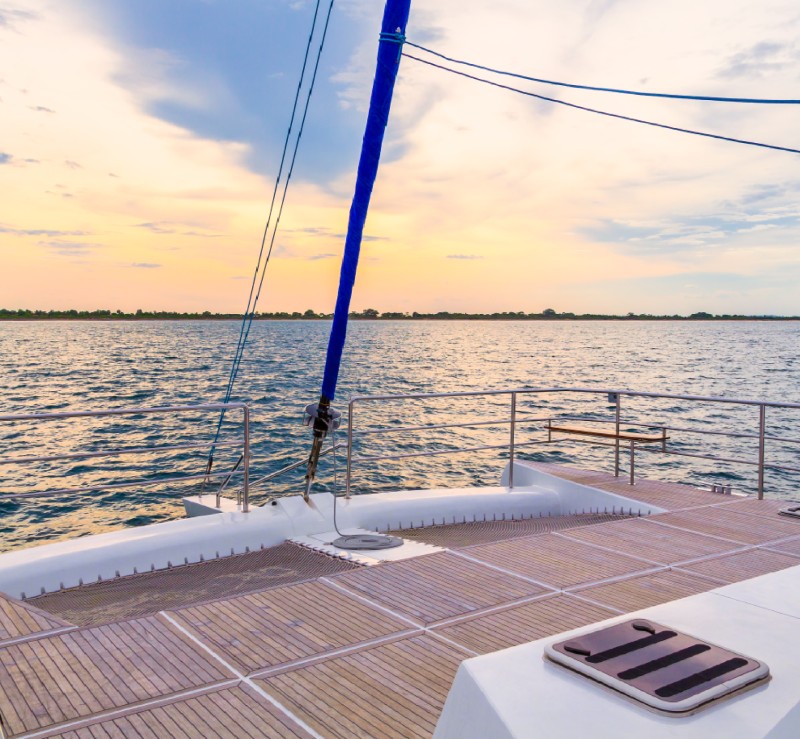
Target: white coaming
(66,564)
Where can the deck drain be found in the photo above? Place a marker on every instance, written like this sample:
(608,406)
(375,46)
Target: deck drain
(658,666)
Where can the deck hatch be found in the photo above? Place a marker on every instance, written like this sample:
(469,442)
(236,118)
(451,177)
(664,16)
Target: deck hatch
(793,511)
(658,666)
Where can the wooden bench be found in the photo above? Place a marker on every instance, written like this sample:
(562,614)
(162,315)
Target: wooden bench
(609,434)
(633,438)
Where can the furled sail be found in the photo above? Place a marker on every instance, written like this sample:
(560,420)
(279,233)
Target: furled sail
(395,18)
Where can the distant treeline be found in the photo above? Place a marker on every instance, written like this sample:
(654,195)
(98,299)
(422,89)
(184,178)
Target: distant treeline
(369,314)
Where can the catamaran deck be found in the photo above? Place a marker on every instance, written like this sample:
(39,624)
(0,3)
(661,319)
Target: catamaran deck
(310,645)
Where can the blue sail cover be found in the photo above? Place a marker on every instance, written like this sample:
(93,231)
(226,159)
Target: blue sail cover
(395,17)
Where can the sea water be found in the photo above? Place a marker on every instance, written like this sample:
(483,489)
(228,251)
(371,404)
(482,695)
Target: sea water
(50,367)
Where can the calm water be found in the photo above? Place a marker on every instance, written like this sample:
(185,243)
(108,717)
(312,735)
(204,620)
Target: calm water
(67,366)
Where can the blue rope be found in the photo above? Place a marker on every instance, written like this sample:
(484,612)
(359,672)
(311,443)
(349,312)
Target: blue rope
(603,112)
(708,98)
(252,302)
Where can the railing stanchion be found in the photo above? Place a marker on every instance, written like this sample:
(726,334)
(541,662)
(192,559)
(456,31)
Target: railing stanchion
(511,440)
(246,461)
(633,457)
(349,448)
(616,432)
(762,427)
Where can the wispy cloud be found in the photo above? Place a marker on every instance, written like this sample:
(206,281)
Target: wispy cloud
(325,232)
(72,165)
(146,265)
(5,158)
(70,248)
(40,109)
(11,17)
(168,228)
(759,60)
(465,256)
(39,232)
(156,228)
(315,257)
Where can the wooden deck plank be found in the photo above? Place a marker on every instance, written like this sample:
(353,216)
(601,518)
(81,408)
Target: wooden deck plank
(790,546)
(230,712)
(437,586)
(555,561)
(643,538)
(648,590)
(385,706)
(470,533)
(284,624)
(737,567)
(575,474)
(766,508)
(726,522)
(524,623)
(668,495)
(113,668)
(18,619)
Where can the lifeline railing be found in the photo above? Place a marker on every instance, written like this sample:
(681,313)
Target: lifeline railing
(614,398)
(243,494)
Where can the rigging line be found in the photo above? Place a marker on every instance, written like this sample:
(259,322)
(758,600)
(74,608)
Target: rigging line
(251,304)
(232,377)
(641,93)
(239,346)
(604,112)
(294,158)
(249,319)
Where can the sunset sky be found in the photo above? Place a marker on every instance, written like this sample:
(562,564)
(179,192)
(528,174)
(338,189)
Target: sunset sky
(139,141)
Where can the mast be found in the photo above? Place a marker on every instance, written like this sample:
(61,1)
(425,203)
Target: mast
(392,37)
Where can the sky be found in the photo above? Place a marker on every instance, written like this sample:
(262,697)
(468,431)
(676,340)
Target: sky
(140,139)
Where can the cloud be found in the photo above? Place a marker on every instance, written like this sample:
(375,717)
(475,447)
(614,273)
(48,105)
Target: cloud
(315,257)
(70,248)
(40,109)
(146,265)
(72,165)
(760,60)
(156,228)
(5,158)
(165,227)
(10,17)
(39,232)
(325,232)
(465,256)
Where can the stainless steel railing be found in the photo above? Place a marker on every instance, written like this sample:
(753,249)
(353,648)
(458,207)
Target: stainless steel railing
(243,494)
(614,399)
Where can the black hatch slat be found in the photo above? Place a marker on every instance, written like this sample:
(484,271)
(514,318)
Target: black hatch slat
(633,646)
(661,662)
(699,678)
(662,668)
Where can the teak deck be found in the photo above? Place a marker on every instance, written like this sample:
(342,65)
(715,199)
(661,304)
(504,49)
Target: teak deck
(371,651)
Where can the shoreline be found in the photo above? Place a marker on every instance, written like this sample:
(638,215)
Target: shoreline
(482,318)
